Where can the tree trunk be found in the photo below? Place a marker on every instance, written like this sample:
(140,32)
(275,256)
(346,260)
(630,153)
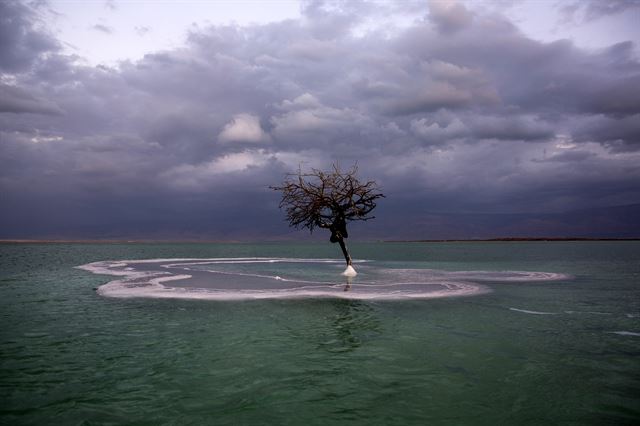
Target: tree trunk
(343,246)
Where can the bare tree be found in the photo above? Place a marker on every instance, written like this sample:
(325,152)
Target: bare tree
(328,200)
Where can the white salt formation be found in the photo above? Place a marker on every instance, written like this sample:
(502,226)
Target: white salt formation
(276,278)
(349,272)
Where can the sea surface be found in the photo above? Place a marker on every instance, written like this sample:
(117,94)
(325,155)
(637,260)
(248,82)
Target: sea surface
(465,333)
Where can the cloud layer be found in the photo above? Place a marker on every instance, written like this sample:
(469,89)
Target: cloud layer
(457,113)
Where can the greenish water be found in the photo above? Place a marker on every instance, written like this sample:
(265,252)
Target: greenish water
(71,356)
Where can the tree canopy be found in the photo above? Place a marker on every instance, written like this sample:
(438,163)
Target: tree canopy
(328,200)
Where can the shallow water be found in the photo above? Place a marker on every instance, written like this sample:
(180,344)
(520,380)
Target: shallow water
(522,352)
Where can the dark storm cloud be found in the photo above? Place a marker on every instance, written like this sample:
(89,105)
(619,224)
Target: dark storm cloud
(619,134)
(459,112)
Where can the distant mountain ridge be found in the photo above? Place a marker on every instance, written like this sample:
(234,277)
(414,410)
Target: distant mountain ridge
(617,222)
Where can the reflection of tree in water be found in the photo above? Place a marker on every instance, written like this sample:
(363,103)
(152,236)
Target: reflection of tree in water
(354,323)
(347,285)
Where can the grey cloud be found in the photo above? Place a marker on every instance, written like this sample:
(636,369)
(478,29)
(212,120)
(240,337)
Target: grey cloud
(332,19)
(102,28)
(243,128)
(618,96)
(441,127)
(622,57)
(21,43)
(306,117)
(449,17)
(568,156)
(590,10)
(432,98)
(141,30)
(366,88)
(315,50)
(541,77)
(17,100)
(510,128)
(437,132)
(620,134)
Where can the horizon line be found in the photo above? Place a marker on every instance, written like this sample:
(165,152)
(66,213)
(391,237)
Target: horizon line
(234,241)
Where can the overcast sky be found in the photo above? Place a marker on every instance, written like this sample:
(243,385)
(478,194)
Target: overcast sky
(167,119)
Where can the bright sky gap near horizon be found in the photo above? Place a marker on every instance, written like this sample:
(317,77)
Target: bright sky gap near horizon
(163,119)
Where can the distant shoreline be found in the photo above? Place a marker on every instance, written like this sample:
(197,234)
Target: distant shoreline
(42,241)
(505,239)
(512,239)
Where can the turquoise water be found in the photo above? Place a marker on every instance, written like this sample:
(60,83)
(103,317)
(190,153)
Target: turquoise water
(559,352)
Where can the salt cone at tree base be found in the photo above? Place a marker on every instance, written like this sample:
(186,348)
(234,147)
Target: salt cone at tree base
(349,272)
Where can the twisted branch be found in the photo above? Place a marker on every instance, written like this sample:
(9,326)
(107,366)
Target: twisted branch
(327,199)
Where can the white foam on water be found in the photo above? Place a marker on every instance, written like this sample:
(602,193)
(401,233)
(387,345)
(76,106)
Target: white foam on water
(510,276)
(387,284)
(525,311)
(559,313)
(626,333)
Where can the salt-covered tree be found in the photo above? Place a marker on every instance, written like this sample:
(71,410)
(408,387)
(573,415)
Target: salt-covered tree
(328,200)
